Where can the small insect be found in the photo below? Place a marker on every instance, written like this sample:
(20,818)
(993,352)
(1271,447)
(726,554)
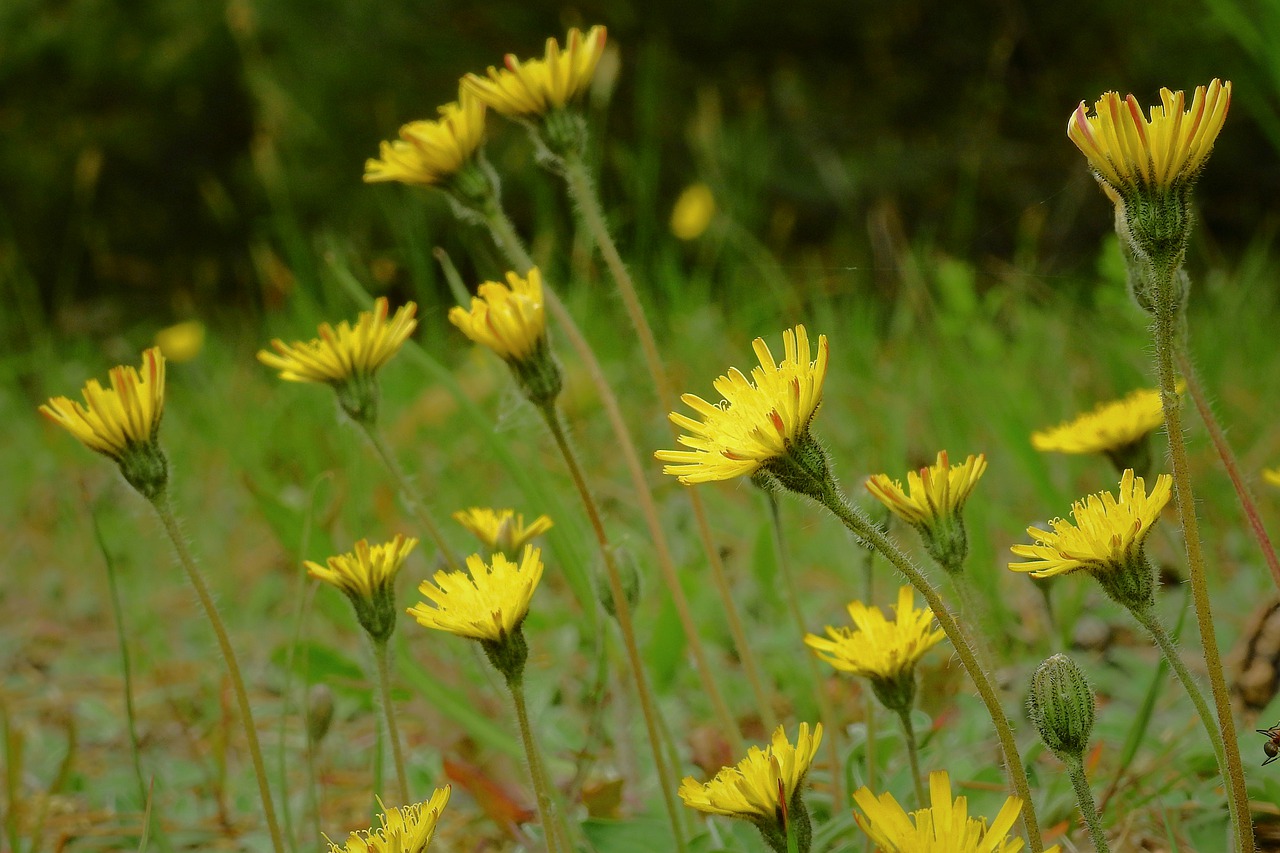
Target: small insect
(1272,746)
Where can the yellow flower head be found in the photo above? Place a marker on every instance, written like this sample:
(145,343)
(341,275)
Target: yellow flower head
(1109,428)
(1272,476)
(487,602)
(934,493)
(368,571)
(875,647)
(693,212)
(346,353)
(944,827)
(538,86)
(763,784)
(509,319)
(430,152)
(118,420)
(404,830)
(1167,149)
(1106,535)
(760,419)
(501,530)
(181,341)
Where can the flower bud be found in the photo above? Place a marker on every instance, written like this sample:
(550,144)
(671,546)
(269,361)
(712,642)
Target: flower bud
(1061,706)
(629,574)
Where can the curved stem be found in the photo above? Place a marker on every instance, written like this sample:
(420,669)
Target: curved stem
(382,658)
(863,528)
(410,494)
(1164,332)
(909,731)
(541,786)
(622,607)
(161,504)
(1084,798)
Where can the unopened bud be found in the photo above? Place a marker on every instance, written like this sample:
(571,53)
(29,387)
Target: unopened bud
(319,713)
(629,574)
(1061,706)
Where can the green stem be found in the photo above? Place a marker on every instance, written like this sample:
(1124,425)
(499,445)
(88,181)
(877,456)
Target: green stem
(862,527)
(382,659)
(1164,332)
(161,504)
(584,196)
(868,696)
(541,786)
(622,607)
(913,752)
(410,495)
(1084,798)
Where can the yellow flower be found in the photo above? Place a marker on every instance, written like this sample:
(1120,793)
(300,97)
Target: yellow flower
(1106,534)
(762,418)
(404,830)
(538,86)
(934,493)
(1109,428)
(367,576)
(693,212)
(501,530)
(119,420)
(1129,151)
(1272,476)
(763,784)
(346,353)
(181,341)
(944,827)
(487,602)
(430,152)
(509,319)
(876,648)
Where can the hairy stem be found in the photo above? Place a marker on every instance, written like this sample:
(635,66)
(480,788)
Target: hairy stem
(913,752)
(381,658)
(552,833)
(1084,798)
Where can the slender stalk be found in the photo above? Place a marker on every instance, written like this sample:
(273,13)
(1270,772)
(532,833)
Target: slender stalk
(866,531)
(583,192)
(622,607)
(504,235)
(410,494)
(913,752)
(829,726)
(1165,335)
(163,509)
(1229,463)
(381,658)
(541,786)
(1084,798)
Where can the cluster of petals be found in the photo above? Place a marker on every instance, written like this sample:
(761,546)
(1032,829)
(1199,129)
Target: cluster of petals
(762,783)
(347,352)
(509,319)
(408,829)
(944,827)
(501,529)
(1106,533)
(538,86)
(1130,151)
(367,569)
(115,420)
(759,418)
(876,647)
(487,602)
(1109,427)
(936,491)
(429,152)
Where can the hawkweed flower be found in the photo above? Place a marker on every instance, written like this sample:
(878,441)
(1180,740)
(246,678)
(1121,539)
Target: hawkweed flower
(181,341)
(944,827)
(434,153)
(488,603)
(1119,430)
(764,788)
(501,531)
(693,212)
(761,428)
(122,422)
(1271,475)
(933,502)
(1106,540)
(408,829)
(511,320)
(347,358)
(367,577)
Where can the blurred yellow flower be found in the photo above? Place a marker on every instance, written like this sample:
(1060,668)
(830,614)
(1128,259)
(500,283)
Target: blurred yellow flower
(181,341)
(430,152)
(1107,534)
(501,530)
(934,493)
(487,602)
(509,319)
(1131,152)
(408,829)
(1109,428)
(366,572)
(760,419)
(763,784)
(346,353)
(693,212)
(1272,476)
(875,647)
(121,419)
(538,86)
(944,827)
